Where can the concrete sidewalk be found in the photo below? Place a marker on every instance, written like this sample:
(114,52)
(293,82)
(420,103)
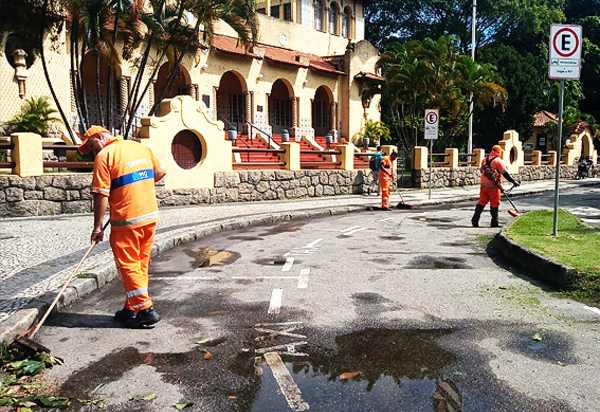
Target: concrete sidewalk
(38,254)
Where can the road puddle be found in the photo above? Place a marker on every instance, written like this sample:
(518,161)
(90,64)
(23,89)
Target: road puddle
(438,262)
(206,257)
(373,368)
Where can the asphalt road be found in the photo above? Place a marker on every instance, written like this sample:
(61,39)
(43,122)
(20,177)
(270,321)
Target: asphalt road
(372,311)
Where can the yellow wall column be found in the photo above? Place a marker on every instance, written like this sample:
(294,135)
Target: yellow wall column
(27,154)
(478,158)
(291,157)
(420,154)
(552,158)
(536,158)
(452,157)
(347,157)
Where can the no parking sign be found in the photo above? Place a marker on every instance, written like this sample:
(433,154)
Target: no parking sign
(432,120)
(565,51)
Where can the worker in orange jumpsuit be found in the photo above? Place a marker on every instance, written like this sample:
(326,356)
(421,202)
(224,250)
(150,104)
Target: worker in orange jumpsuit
(124,177)
(386,177)
(492,170)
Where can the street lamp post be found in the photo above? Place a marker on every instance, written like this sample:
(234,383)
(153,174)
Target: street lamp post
(471,105)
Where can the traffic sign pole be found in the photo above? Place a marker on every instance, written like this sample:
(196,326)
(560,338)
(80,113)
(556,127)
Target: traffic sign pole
(558,155)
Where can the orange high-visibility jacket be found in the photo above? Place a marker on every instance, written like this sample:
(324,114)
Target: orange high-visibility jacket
(497,164)
(387,168)
(125,171)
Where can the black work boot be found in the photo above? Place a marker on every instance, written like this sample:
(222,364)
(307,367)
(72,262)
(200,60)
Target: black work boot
(125,314)
(494,213)
(145,319)
(475,218)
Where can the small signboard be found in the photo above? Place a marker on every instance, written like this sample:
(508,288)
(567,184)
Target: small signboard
(432,120)
(565,51)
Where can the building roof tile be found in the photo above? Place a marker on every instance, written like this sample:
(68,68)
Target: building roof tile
(541,118)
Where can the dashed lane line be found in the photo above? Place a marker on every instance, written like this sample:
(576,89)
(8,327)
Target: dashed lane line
(314,243)
(303,279)
(276,301)
(286,383)
(348,229)
(289,262)
(354,231)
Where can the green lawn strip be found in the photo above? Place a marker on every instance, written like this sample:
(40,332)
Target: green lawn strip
(575,245)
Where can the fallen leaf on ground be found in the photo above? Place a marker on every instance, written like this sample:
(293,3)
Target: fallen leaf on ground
(232,397)
(537,337)
(149,397)
(200,342)
(348,375)
(207,355)
(182,406)
(561,363)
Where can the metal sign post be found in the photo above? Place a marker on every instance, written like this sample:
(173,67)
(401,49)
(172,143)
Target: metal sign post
(565,63)
(432,120)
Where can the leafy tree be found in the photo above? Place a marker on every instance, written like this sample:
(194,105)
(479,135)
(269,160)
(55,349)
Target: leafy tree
(432,74)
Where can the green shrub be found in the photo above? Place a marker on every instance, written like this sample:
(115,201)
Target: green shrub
(35,116)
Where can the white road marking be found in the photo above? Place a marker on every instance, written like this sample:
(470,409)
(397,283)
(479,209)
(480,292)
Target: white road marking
(350,228)
(595,310)
(314,243)
(208,278)
(299,252)
(288,387)
(279,324)
(276,301)
(279,332)
(388,218)
(289,262)
(288,347)
(303,279)
(354,231)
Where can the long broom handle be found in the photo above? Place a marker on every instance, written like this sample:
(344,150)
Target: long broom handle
(55,301)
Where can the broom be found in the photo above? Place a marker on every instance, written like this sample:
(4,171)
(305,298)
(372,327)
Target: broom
(514,211)
(27,345)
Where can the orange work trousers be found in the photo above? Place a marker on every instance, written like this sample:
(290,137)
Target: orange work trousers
(384,182)
(131,249)
(489,194)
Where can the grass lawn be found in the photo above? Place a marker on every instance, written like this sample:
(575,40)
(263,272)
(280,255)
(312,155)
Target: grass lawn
(576,245)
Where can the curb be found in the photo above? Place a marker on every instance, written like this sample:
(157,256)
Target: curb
(536,264)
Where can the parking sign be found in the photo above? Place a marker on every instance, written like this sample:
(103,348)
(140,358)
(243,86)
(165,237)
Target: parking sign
(432,120)
(565,51)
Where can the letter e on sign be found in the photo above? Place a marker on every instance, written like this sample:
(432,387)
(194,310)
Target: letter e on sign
(565,51)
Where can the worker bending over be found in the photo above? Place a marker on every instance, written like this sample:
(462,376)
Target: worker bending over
(492,170)
(124,175)
(386,177)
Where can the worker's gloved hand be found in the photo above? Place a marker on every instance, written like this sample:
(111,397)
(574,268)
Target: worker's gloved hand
(517,183)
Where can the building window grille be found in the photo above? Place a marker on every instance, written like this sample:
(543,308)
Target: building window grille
(275,11)
(282,113)
(186,149)
(333,19)
(287,12)
(318,8)
(346,23)
(261,11)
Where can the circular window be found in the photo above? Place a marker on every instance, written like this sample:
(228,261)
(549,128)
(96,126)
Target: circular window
(186,149)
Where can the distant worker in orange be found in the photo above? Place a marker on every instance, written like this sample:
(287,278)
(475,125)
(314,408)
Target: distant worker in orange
(124,175)
(386,177)
(492,170)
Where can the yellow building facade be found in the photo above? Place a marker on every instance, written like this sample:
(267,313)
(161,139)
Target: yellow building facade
(306,74)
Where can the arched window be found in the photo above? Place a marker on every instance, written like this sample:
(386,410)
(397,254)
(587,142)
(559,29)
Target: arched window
(333,18)
(318,8)
(346,28)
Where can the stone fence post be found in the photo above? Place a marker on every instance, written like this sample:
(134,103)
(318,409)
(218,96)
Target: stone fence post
(479,156)
(27,154)
(291,157)
(452,157)
(536,158)
(552,158)
(347,157)
(420,154)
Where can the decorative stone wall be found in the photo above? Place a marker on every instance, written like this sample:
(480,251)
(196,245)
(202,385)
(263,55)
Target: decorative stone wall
(61,193)
(468,176)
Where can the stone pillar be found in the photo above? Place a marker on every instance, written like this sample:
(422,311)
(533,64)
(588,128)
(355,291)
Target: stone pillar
(420,154)
(452,157)
(536,158)
(347,157)
(291,157)
(479,156)
(27,154)
(552,158)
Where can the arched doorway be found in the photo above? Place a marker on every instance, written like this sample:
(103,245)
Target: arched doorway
(232,100)
(322,106)
(280,107)
(95,81)
(181,84)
